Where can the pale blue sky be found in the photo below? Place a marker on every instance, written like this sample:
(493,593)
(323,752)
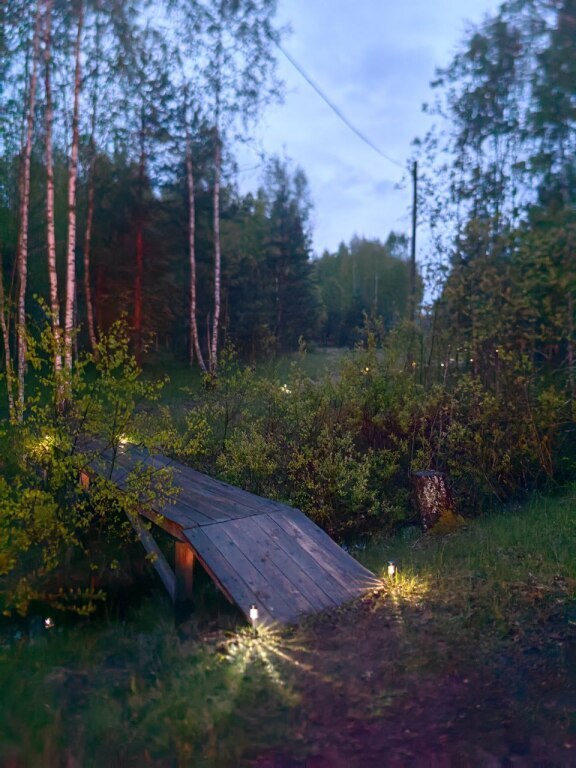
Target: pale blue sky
(375,60)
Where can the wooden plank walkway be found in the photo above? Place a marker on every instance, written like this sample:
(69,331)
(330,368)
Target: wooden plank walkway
(258,551)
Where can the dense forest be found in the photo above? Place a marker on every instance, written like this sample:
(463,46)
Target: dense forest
(118,192)
(326,384)
(119,202)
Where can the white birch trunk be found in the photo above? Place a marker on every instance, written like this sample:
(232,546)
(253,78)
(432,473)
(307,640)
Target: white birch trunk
(194,340)
(50,227)
(72,178)
(87,247)
(90,214)
(7,355)
(22,252)
(217,254)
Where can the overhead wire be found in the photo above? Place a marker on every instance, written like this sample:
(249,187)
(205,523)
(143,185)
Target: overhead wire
(335,108)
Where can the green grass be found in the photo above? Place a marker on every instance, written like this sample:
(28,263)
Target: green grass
(143,692)
(495,566)
(184,382)
(113,693)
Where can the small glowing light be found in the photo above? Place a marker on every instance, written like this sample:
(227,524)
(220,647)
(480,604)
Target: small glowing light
(391,569)
(123,439)
(367,369)
(471,359)
(284,388)
(442,365)
(253,612)
(49,623)
(413,363)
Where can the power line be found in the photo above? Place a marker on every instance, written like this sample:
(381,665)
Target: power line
(336,109)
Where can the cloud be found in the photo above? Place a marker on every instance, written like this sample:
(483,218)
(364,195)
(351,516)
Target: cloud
(375,61)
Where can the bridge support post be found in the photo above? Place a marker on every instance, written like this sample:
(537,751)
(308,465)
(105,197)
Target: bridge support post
(184,572)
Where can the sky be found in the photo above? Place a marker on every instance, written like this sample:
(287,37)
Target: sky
(374,59)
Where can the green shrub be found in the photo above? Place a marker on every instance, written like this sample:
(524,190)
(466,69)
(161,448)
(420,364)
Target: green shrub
(61,542)
(342,447)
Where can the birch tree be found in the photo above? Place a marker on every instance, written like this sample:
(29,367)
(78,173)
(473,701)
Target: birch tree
(195,347)
(24,189)
(72,183)
(234,41)
(50,226)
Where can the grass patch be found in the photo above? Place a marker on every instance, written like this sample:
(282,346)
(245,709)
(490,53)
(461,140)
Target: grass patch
(499,562)
(449,638)
(120,694)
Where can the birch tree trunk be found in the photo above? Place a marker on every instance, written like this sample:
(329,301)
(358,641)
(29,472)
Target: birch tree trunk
(138,292)
(50,227)
(217,254)
(194,340)
(90,213)
(6,340)
(72,179)
(24,186)
(87,247)
(139,273)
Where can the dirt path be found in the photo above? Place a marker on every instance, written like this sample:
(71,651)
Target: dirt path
(400,685)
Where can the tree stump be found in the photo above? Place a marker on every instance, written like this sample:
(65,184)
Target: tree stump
(432,498)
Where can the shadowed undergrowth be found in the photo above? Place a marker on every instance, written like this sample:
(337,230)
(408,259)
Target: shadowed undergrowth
(492,605)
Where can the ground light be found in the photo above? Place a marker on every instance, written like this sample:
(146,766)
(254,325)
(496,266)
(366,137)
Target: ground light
(48,623)
(254,616)
(391,569)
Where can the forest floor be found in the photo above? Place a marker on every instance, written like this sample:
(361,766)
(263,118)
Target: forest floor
(466,658)
(395,682)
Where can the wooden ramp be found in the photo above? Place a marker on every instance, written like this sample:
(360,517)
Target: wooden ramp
(257,551)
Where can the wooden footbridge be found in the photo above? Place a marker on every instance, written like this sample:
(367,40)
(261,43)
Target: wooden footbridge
(258,551)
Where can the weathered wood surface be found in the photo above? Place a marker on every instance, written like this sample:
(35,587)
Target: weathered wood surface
(256,550)
(432,497)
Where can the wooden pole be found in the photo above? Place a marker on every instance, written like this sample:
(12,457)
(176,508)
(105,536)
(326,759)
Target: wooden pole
(413,243)
(184,567)
(157,558)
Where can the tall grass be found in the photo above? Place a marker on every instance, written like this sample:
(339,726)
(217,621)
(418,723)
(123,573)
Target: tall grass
(143,692)
(495,570)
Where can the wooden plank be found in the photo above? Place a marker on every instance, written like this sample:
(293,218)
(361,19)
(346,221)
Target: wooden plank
(165,523)
(263,594)
(208,495)
(302,568)
(99,467)
(231,583)
(158,560)
(308,528)
(352,576)
(226,491)
(259,548)
(324,580)
(218,488)
(175,509)
(220,509)
(207,513)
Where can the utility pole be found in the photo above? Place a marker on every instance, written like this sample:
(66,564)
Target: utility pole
(413,244)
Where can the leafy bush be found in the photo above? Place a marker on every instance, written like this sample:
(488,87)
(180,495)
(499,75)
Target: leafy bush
(342,448)
(60,541)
